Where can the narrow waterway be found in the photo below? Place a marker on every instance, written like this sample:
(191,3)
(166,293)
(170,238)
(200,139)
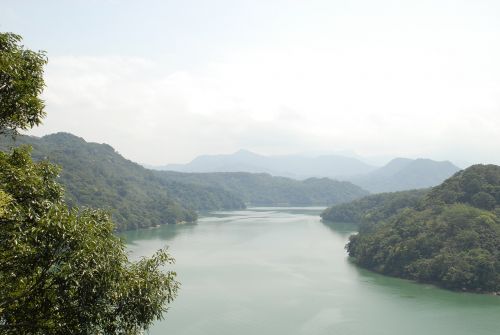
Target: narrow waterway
(282,271)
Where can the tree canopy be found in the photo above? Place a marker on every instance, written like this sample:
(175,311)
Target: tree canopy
(21,83)
(62,270)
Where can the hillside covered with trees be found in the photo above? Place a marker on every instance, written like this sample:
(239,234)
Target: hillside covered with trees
(373,207)
(95,175)
(451,237)
(262,189)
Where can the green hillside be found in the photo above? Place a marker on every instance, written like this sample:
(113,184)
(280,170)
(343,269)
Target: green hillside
(95,175)
(451,238)
(374,207)
(261,189)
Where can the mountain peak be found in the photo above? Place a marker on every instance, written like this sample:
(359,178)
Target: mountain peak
(405,174)
(245,152)
(292,166)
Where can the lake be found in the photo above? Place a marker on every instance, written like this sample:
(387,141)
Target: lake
(283,271)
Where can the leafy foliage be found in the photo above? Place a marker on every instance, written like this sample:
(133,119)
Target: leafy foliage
(450,237)
(64,271)
(21,82)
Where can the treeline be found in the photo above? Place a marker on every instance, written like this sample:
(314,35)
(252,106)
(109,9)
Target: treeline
(450,236)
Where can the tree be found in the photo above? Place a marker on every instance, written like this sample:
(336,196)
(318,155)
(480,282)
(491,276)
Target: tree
(21,83)
(62,271)
(483,200)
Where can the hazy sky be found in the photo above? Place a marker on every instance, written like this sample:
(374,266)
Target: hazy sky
(165,81)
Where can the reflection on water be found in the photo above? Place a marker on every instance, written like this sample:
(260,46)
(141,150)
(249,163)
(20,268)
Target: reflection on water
(283,271)
(344,229)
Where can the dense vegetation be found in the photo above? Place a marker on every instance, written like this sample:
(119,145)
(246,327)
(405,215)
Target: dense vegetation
(373,207)
(451,237)
(261,189)
(62,271)
(478,186)
(95,175)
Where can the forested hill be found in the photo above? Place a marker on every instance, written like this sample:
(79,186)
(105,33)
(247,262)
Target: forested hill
(374,207)
(261,189)
(95,175)
(451,237)
(478,186)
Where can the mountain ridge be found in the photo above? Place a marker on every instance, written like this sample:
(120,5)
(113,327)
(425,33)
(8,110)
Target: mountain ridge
(398,174)
(402,174)
(292,166)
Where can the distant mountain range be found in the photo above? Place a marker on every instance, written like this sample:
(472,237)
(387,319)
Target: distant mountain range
(399,174)
(406,174)
(292,166)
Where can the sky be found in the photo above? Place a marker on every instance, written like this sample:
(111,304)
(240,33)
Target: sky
(165,81)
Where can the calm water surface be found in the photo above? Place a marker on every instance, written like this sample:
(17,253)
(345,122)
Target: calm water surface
(282,271)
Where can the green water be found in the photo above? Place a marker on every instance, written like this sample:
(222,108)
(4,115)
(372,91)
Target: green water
(282,271)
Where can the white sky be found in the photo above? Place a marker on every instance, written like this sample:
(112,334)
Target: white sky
(165,81)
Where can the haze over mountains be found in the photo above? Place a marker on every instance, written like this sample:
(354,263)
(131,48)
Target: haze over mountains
(405,174)
(399,174)
(292,166)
